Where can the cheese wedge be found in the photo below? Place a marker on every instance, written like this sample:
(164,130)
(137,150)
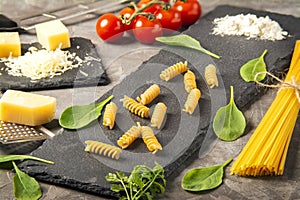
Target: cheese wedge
(10,44)
(52,34)
(26,108)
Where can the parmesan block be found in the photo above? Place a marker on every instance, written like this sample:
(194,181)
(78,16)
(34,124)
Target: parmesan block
(10,44)
(26,108)
(52,34)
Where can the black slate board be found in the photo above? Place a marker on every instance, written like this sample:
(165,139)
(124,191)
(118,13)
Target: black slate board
(72,78)
(81,171)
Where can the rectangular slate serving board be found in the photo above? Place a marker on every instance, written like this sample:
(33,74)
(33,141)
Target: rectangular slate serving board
(92,67)
(81,171)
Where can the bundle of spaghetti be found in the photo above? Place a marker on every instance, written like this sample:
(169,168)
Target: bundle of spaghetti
(266,151)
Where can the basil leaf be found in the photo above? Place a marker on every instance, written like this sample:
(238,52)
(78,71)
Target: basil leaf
(187,41)
(75,117)
(6,158)
(252,67)
(229,122)
(200,179)
(25,187)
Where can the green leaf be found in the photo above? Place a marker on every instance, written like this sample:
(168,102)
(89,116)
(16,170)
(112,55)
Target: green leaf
(116,187)
(25,187)
(110,177)
(229,122)
(6,158)
(254,66)
(200,179)
(187,41)
(76,117)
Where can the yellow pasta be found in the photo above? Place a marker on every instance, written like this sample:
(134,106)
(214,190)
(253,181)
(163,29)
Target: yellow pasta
(110,115)
(192,101)
(135,107)
(102,149)
(150,140)
(173,71)
(266,151)
(189,81)
(149,95)
(210,75)
(158,115)
(130,136)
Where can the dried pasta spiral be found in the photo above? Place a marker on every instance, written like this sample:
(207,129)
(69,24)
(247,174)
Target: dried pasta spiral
(150,140)
(189,81)
(192,101)
(130,136)
(158,115)
(173,71)
(110,115)
(151,93)
(210,75)
(135,107)
(102,149)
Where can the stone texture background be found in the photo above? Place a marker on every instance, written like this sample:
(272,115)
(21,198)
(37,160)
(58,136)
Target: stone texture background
(284,187)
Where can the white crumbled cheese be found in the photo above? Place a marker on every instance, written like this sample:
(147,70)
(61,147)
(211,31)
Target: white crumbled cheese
(37,64)
(250,26)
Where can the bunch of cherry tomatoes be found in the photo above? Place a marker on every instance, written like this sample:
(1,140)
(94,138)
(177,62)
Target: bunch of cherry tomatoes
(148,19)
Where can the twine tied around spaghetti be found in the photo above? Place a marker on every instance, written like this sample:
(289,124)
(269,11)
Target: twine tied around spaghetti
(282,84)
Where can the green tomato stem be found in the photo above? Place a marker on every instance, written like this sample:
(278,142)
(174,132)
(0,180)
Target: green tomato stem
(138,11)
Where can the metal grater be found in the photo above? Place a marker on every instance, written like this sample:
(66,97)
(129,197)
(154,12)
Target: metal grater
(14,133)
(72,14)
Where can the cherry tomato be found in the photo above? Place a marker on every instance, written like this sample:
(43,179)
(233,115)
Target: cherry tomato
(125,14)
(146,30)
(109,27)
(169,19)
(190,11)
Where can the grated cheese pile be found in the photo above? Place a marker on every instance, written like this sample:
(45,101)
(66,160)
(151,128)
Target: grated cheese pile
(250,26)
(37,64)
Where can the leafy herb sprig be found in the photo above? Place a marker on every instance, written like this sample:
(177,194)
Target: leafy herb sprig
(142,183)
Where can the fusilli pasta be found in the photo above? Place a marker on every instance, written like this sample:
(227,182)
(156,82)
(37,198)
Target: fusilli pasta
(189,81)
(173,71)
(210,75)
(110,115)
(135,107)
(158,115)
(151,93)
(150,140)
(130,136)
(102,149)
(192,101)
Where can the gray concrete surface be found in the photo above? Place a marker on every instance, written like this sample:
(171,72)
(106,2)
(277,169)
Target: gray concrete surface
(284,187)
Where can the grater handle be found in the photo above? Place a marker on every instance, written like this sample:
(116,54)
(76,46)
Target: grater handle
(46,131)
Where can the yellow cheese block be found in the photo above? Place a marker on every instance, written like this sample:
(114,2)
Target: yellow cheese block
(26,108)
(52,34)
(10,44)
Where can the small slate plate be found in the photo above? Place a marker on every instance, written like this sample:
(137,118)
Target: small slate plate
(182,134)
(91,73)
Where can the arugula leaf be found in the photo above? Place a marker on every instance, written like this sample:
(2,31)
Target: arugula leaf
(187,41)
(75,117)
(6,158)
(142,183)
(25,187)
(249,70)
(200,179)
